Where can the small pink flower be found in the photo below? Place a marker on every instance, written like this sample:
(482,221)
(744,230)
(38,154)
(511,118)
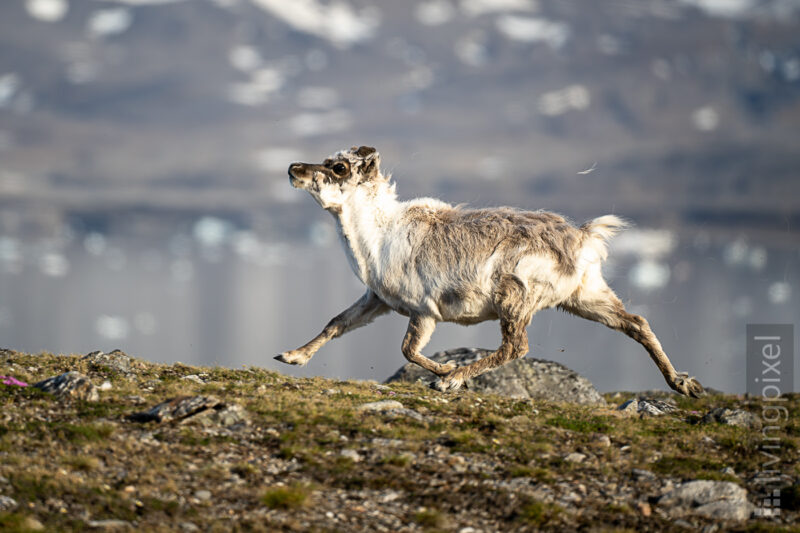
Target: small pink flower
(8,380)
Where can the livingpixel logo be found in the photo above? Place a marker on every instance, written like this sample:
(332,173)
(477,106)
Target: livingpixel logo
(770,376)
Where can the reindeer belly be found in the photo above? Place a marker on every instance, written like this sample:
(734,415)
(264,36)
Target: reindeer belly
(465,305)
(406,296)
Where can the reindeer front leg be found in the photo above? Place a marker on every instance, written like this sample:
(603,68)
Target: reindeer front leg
(361,313)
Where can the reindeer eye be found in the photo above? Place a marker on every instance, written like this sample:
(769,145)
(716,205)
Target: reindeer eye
(339,168)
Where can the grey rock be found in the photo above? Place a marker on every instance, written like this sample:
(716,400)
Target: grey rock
(188,526)
(392,409)
(603,440)
(388,496)
(221,415)
(116,361)
(7,503)
(404,412)
(647,407)
(203,495)
(195,378)
(641,474)
(720,500)
(732,417)
(523,378)
(351,454)
(70,385)
(725,510)
(177,409)
(575,457)
(385,405)
(138,400)
(109,525)
(388,443)
(701,492)
(202,410)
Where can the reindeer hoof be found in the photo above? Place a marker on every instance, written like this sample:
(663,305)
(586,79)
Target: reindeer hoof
(451,382)
(292,357)
(688,386)
(447,368)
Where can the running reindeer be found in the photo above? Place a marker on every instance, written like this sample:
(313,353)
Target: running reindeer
(434,262)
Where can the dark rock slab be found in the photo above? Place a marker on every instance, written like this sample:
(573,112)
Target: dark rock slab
(205,410)
(176,409)
(524,378)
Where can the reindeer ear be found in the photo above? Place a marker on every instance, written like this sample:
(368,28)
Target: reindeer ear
(372,162)
(364,151)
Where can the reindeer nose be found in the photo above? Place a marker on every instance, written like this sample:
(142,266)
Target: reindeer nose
(296,168)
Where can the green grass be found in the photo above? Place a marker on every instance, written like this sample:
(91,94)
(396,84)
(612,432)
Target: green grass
(84,432)
(537,513)
(430,519)
(292,497)
(396,460)
(691,468)
(82,463)
(541,475)
(157,505)
(592,424)
(13,522)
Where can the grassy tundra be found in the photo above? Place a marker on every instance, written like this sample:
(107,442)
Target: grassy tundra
(308,459)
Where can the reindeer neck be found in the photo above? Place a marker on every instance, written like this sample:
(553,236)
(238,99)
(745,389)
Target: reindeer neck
(363,222)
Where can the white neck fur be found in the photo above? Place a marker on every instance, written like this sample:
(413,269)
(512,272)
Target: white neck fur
(365,217)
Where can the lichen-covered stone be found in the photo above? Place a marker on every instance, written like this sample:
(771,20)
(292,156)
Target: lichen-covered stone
(385,405)
(70,385)
(720,500)
(7,503)
(117,361)
(524,378)
(732,417)
(220,415)
(647,407)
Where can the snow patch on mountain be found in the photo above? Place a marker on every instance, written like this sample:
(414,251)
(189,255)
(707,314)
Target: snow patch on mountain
(336,22)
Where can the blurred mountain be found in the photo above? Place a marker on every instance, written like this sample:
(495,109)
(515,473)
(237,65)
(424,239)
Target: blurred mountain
(686,112)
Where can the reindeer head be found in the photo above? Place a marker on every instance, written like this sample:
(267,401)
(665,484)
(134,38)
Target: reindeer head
(335,178)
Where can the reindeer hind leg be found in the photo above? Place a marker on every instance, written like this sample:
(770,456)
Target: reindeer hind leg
(601,305)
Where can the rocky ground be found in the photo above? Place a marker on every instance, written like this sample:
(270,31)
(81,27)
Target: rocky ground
(122,444)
